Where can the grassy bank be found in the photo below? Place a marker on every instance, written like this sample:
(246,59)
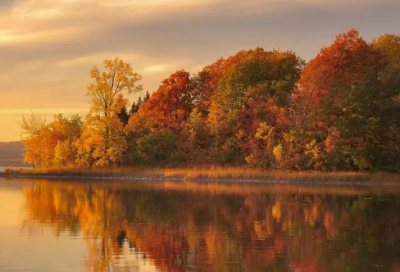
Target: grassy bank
(198,173)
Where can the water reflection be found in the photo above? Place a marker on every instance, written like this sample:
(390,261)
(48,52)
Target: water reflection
(215,227)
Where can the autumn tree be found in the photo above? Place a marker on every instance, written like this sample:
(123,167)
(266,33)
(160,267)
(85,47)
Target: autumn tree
(264,108)
(327,98)
(256,88)
(165,112)
(343,101)
(198,132)
(172,103)
(389,100)
(70,130)
(279,70)
(34,138)
(103,142)
(50,144)
(106,88)
(205,83)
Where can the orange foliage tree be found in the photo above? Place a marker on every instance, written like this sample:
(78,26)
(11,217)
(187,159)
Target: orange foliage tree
(342,105)
(172,103)
(51,144)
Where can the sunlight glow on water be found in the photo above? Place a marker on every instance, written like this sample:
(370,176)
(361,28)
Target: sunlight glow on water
(15,167)
(163,226)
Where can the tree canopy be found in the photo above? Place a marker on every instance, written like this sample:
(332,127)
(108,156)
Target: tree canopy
(263,108)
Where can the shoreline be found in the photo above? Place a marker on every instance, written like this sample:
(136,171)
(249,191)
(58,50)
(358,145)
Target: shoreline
(181,178)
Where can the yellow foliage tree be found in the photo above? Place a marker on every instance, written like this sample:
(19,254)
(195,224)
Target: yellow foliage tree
(102,142)
(107,88)
(36,135)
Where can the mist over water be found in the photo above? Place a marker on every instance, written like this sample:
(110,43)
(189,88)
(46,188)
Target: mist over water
(171,226)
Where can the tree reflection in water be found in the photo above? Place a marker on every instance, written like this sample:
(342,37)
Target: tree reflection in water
(217,227)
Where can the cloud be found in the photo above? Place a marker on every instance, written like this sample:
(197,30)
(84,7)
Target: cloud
(158,28)
(47,47)
(155,68)
(92,59)
(43,111)
(4,4)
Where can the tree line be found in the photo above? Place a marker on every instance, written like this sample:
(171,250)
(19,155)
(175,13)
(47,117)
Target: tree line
(270,109)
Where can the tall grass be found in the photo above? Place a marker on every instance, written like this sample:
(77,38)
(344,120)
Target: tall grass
(217,172)
(210,172)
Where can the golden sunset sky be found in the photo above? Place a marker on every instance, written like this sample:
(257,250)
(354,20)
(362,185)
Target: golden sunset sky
(47,47)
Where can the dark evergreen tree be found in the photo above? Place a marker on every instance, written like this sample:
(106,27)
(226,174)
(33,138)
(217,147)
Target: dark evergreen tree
(139,101)
(124,116)
(146,97)
(135,106)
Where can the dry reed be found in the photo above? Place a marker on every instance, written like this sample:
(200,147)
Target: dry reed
(212,172)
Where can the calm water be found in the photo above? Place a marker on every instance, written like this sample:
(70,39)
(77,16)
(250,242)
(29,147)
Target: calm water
(164,226)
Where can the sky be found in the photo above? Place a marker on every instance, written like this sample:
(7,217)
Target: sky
(47,47)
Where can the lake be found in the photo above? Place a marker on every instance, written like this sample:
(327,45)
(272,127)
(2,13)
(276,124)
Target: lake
(170,226)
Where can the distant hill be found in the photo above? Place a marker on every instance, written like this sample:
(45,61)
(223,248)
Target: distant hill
(11,154)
